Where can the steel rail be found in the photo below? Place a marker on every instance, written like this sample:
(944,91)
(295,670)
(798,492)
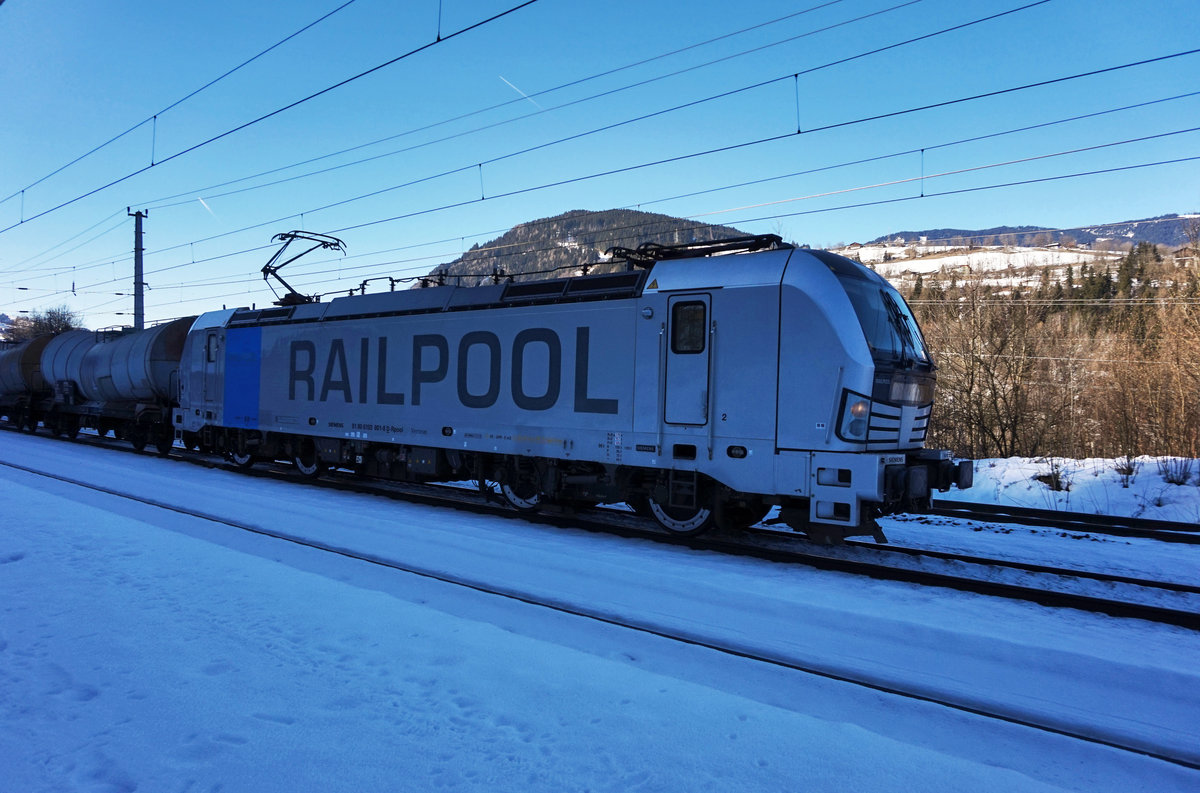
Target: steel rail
(1030,567)
(1117,526)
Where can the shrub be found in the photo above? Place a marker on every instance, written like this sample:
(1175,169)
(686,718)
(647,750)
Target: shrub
(1175,470)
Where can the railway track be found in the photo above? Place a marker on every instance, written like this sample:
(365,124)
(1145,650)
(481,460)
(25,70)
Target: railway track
(1066,572)
(1173,603)
(1117,526)
(695,637)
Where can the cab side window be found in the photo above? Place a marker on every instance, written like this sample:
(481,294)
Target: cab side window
(688,328)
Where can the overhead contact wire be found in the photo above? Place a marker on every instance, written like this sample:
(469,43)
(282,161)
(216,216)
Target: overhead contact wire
(154,117)
(274,113)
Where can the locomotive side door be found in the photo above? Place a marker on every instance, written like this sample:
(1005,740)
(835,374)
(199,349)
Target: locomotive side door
(689,353)
(212,363)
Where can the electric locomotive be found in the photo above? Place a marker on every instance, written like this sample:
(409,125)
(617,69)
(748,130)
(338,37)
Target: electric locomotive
(703,385)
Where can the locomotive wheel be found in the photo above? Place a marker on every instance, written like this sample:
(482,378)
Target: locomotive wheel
(307,461)
(241,460)
(523,496)
(681,521)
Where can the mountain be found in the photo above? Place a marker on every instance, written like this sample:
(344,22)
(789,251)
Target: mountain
(1162,230)
(562,245)
(558,246)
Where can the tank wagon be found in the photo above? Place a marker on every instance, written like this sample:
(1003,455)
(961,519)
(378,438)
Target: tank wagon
(705,385)
(124,382)
(21,381)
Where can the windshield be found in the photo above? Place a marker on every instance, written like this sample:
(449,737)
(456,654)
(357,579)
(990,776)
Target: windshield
(887,322)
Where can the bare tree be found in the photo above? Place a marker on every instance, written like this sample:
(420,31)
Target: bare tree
(52,320)
(1191,230)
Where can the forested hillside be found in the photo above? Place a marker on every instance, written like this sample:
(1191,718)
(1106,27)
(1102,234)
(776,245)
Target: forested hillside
(1169,230)
(1099,363)
(560,246)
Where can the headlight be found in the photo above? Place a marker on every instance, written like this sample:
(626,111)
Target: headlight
(908,390)
(854,417)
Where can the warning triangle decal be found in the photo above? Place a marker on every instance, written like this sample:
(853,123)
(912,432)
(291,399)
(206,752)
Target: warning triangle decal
(653,284)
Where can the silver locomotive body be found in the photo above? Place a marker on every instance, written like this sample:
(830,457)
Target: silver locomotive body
(702,389)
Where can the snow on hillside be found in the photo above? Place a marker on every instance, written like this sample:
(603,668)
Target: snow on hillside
(897,261)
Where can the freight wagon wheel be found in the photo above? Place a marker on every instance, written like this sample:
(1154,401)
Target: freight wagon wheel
(681,521)
(307,461)
(164,441)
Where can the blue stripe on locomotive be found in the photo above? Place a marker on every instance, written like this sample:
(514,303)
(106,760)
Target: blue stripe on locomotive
(243,361)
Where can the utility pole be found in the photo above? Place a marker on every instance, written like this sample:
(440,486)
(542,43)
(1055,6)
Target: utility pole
(139,310)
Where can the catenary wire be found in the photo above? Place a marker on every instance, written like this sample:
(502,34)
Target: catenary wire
(119,257)
(178,102)
(880,202)
(711,98)
(927,177)
(19,266)
(274,113)
(161,203)
(657,162)
(735,209)
(106,260)
(1137,63)
(643,117)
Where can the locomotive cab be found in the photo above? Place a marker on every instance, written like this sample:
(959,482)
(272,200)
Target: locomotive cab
(850,343)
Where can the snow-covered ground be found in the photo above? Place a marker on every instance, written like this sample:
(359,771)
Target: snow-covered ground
(1138,487)
(142,649)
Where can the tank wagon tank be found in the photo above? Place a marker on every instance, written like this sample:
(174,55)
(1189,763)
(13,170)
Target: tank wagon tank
(61,362)
(125,382)
(21,381)
(140,367)
(705,385)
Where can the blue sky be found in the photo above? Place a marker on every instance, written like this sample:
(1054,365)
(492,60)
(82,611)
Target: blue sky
(75,74)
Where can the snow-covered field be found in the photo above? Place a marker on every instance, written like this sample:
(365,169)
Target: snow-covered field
(1138,487)
(142,649)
